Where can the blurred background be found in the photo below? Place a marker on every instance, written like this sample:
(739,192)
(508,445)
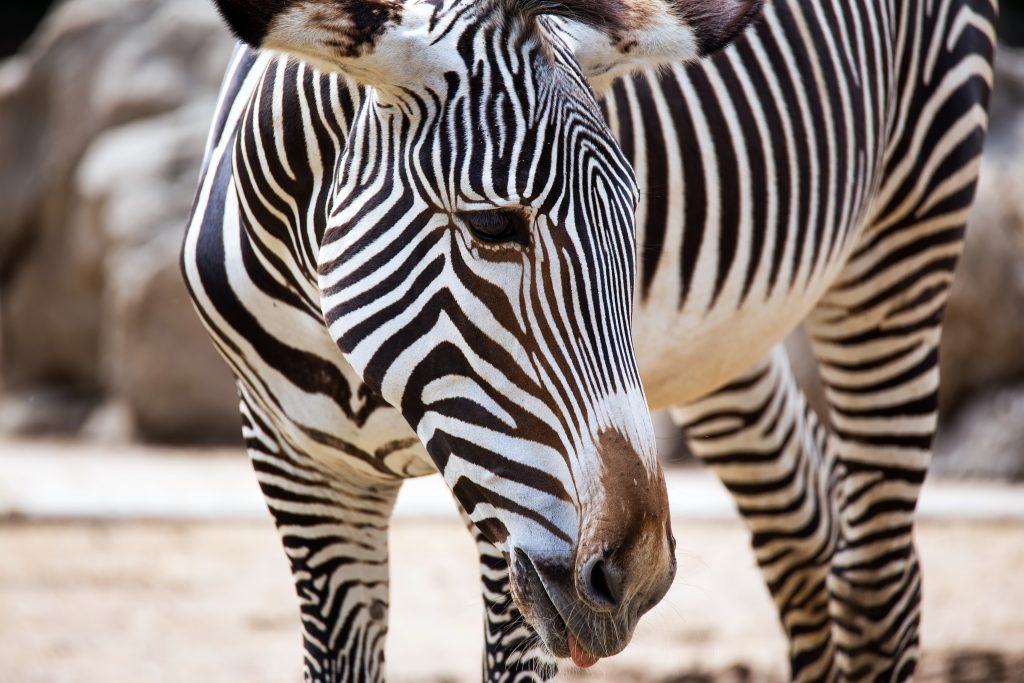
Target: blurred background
(132,537)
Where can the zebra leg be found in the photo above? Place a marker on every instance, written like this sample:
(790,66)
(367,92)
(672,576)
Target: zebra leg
(513,653)
(765,444)
(876,337)
(334,525)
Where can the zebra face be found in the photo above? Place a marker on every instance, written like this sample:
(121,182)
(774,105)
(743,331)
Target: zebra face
(477,271)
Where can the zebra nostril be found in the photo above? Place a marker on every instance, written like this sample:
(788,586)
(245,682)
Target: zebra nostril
(601,582)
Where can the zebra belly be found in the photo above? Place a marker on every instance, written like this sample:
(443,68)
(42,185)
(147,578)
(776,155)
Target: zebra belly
(683,355)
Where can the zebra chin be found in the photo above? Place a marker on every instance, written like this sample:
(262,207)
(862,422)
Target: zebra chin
(558,607)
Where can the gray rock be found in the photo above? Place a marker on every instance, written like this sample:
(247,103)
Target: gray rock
(163,366)
(96,64)
(45,410)
(135,187)
(986,438)
(112,423)
(137,181)
(1006,109)
(107,113)
(983,337)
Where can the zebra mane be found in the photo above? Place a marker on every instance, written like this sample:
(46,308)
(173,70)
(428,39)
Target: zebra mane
(611,15)
(715,23)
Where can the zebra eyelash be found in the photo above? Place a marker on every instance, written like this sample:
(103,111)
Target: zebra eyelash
(497,226)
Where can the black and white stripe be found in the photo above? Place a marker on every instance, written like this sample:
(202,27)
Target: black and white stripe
(826,165)
(820,169)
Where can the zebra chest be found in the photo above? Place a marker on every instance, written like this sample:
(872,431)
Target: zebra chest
(294,380)
(320,407)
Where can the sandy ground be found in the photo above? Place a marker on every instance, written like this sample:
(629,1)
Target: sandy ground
(212,602)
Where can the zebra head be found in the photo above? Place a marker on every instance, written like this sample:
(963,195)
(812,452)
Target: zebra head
(477,271)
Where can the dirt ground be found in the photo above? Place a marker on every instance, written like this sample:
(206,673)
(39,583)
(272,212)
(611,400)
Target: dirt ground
(212,602)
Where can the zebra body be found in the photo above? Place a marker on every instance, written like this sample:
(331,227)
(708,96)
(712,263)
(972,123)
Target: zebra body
(818,170)
(792,148)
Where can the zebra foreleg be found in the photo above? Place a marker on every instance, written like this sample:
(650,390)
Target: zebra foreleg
(334,526)
(876,339)
(513,652)
(764,442)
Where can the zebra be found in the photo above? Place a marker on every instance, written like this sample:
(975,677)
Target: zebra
(413,242)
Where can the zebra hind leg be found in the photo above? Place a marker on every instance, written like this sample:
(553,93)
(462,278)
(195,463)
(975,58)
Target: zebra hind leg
(765,444)
(334,527)
(876,336)
(513,652)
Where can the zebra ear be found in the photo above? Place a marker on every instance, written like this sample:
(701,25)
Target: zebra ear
(367,39)
(639,33)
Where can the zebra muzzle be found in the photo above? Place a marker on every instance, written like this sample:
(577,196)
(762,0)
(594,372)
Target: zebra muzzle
(568,622)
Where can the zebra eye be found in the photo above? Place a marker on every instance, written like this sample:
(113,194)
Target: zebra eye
(496,227)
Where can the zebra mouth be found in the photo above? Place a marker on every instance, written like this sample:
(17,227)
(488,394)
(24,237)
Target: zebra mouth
(567,627)
(536,605)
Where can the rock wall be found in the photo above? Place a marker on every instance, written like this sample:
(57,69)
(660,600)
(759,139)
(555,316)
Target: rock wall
(103,117)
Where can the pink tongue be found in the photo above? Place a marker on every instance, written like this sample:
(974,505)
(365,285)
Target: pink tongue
(581,657)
